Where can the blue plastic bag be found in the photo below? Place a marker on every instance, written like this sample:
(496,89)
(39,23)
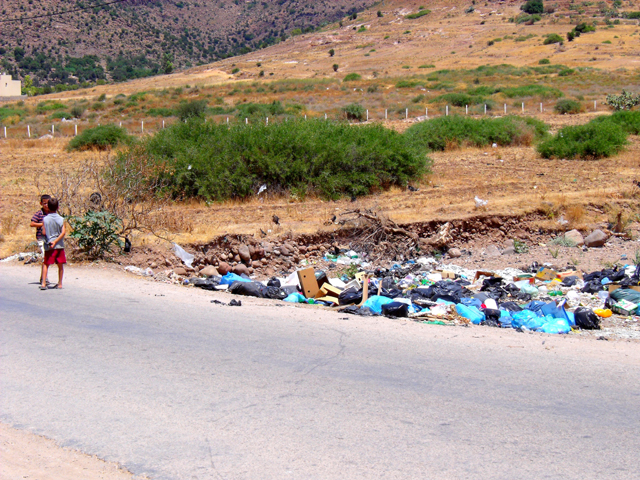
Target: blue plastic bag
(230,277)
(296,298)
(471,302)
(376,301)
(471,313)
(505,319)
(527,319)
(556,325)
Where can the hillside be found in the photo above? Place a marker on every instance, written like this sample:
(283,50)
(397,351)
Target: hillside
(135,38)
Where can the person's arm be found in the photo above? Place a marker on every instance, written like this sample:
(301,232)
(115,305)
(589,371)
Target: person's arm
(35,224)
(60,237)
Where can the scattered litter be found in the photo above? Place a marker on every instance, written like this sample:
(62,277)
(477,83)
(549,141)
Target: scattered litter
(139,271)
(183,255)
(480,203)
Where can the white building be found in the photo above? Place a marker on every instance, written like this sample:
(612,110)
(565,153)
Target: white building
(9,87)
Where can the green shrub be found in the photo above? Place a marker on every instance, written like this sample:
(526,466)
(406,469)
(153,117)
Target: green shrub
(354,111)
(427,66)
(59,115)
(628,121)
(102,137)
(567,105)
(235,70)
(529,19)
(246,110)
(215,162)
(436,134)
(566,72)
(590,141)
(533,6)
(77,111)
(97,106)
(161,112)
(458,99)
(421,13)
(552,38)
(44,107)
(541,91)
(96,232)
(632,15)
(409,83)
(351,77)
(192,109)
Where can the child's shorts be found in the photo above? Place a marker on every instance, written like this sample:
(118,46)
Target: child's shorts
(56,256)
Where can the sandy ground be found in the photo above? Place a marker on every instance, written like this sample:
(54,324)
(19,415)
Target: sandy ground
(25,455)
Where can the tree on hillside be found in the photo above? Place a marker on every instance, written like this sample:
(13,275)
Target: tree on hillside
(533,7)
(167,63)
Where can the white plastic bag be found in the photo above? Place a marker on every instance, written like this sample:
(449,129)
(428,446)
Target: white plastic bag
(183,255)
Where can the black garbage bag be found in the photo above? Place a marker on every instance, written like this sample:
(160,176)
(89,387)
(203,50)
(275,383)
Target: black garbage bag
(586,319)
(349,296)
(491,317)
(569,281)
(593,286)
(391,293)
(497,293)
(248,289)
(321,278)
(273,293)
(510,307)
(395,310)
(273,282)
(512,289)
(489,283)
(388,283)
(355,310)
(617,276)
(206,283)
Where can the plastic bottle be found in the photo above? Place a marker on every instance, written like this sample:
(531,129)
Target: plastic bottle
(555,293)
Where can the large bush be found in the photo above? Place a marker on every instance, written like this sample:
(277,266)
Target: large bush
(533,6)
(591,141)
(566,105)
(624,101)
(629,121)
(215,162)
(192,109)
(456,130)
(102,137)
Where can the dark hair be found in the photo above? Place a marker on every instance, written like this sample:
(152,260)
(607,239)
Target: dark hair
(53,204)
(44,197)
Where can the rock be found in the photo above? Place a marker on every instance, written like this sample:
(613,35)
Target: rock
(575,236)
(252,252)
(167,262)
(509,243)
(509,250)
(256,264)
(302,249)
(240,269)
(237,258)
(285,250)
(209,271)
(454,253)
(224,268)
(153,265)
(493,251)
(597,238)
(244,253)
(210,258)
(180,271)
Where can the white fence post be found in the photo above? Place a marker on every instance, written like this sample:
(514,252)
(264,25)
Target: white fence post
(505,108)
(227,120)
(325,116)
(485,108)
(53,129)
(163,124)
(142,126)
(385,114)
(522,107)
(540,107)
(267,120)
(5,132)
(367,114)
(426,111)
(447,110)
(466,109)
(246,121)
(595,105)
(406,113)
(120,124)
(29,131)
(75,130)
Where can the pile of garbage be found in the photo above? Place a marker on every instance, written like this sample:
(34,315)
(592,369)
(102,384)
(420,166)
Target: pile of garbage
(539,298)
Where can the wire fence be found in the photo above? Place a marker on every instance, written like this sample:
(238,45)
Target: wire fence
(153,125)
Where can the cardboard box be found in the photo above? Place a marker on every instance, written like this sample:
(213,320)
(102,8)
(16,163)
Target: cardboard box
(570,273)
(483,274)
(546,274)
(624,307)
(446,274)
(613,286)
(308,282)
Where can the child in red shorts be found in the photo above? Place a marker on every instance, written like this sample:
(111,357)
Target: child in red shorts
(54,231)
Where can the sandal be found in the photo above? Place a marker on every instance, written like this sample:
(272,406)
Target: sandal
(42,288)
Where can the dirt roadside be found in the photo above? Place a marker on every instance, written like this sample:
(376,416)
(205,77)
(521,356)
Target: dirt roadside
(30,456)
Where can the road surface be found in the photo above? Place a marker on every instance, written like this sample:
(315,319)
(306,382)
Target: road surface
(170,386)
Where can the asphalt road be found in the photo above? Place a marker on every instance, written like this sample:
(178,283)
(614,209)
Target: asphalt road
(157,378)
